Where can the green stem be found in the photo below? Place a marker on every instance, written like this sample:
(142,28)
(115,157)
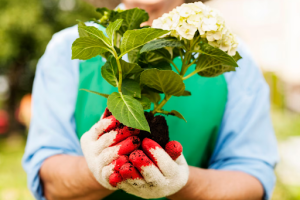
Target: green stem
(190,75)
(199,70)
(191,63)
(171,61)
(181,56)
(161,104)
(163,112)
(196,41)
(177,69)
(120,71)
(185,64)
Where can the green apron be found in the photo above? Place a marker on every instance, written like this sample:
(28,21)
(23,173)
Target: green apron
(203,112)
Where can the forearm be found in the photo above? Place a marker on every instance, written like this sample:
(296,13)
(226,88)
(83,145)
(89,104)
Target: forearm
(68,177)
(217,184)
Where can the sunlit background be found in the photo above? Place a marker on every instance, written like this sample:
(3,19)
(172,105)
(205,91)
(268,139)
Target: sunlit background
(269,27)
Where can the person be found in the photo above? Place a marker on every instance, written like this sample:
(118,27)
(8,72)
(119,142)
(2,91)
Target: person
(228,142)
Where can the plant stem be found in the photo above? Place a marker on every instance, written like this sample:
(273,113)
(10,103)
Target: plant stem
(198,70)
(171,61)
(196,41)
(190,75)
(191,63)
(182,66)
(161,104)
(181,56)
(163,112)
(120,71)
(185,64)
(175,66)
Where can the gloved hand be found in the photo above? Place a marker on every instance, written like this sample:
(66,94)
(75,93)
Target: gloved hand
(153,172)
(105,145)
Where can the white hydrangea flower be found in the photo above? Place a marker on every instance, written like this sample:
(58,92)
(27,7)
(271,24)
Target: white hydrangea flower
(186,30)
(209,24)
(157,23)
(185,10)
(213,35)
(185,20)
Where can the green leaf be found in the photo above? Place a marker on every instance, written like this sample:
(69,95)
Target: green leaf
(80,31)
(151,89)
(128,69)
(217,54)
(106,54)
(131,87)
(85,48)
(186,93)
(106,16)
(128,111)
(132,19)
(98,93)
(112,28)
(166,81)
(161,43)
(209,67)
(237,57)
(145,102)
(137,76)
(176,52)
(213,61)
(109,71)
(152,96)
(155,56)
(162,52)
(135,38)
(96,33)
(177,114)
(134,55)
(103,11)
(163,65)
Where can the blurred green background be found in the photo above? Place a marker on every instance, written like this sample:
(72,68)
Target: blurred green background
(25,29)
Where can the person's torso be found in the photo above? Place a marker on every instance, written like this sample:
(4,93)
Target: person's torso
(203,112)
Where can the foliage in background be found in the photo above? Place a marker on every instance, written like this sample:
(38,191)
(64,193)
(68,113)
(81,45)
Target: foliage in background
(12,176)
(26,28)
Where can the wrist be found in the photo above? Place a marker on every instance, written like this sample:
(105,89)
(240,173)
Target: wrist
(192,188)
(93,184)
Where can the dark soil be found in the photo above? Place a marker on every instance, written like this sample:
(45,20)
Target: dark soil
(136,141)
(159,130)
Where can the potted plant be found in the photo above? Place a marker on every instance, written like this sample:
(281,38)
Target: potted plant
(146,81)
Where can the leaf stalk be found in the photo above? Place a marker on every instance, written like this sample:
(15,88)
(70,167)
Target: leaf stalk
(161,104)
(175,66)
(120,71)
(190,75)
(164,112)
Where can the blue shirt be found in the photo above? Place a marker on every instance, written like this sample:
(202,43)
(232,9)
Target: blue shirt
(246,140)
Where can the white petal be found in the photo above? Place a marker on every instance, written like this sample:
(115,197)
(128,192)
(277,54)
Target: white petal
(157,23)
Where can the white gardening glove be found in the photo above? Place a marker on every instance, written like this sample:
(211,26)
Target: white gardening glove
(154,172)
(105,145)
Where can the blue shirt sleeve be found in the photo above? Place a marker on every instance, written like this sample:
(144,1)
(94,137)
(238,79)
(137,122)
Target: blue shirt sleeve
(52,129)
(246,140)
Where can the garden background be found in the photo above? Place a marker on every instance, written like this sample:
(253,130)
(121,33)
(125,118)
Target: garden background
(269,27)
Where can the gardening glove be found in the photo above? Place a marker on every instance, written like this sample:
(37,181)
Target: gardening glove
(154,172)
(106,145)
